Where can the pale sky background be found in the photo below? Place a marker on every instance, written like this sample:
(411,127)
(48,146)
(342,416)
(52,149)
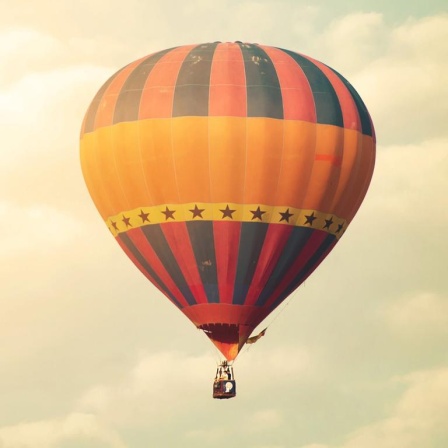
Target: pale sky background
(91,353)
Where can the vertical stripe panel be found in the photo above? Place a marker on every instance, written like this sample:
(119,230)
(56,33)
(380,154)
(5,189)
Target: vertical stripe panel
(177,237)
(264,97)
(299,265)
(202,242)
(128,102)
(227,158)
(106,108)
(227,240)
(350,113)
(140,261)
(298,240)
(366,122)
(228,82)
(89,120)
(328,109)
(318,256)
(274,244)
(251,243)
(191,95)
(297,97)
(158,92)
(162,251)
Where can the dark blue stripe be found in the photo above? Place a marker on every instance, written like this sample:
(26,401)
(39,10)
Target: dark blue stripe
(203,244)
(328,108)
(296,242)
(366,123)
(252,238)
(139,257)
(264,96)
(128,101)
(191,96)
(306,271)
(158,242)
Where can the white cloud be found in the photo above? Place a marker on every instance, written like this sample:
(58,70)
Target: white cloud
(402,220)
(76,427)
(35,228)
(420,316)
(419,418)
(169,384)
(159,386)
(354,40)
(25,50)
(404,88)
(48,79)
(38,112)
(410,181)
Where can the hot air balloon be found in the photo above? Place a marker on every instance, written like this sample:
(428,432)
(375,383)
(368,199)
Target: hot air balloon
(227,172)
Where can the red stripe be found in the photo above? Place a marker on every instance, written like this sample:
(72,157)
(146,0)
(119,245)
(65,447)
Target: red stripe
(158,93)
(142,269)
(274,243)
(307,252)
(176,234)
(316,265)
(297,97)
(349,110)
(228,82)
(106,108)
(227,240)
(139,239)
(333,159)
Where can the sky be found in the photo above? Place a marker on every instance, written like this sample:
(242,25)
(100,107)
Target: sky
(91,354)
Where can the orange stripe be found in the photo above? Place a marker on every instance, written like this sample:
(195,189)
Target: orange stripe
(227,160)
(190,146)
(264,147)
(324,176)
(157,161)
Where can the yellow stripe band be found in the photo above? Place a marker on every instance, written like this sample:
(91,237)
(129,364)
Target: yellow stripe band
(200,211)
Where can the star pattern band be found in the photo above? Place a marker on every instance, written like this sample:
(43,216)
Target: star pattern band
(285,215)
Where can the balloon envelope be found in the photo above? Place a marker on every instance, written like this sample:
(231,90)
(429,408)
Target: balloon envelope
(227,172)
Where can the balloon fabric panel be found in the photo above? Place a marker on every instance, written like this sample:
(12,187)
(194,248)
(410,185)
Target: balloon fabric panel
(227,172)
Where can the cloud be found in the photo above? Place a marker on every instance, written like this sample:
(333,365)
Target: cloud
(159,386)
(423,315)
(25,50)
(38,227)
(397,232)
(398,188)
(403,86)
(398,70)
(173,386)
(79,428)
(66,323)
(418,418)
(354,40)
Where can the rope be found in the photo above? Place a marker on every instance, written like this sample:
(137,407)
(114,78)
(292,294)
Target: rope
(280,311)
